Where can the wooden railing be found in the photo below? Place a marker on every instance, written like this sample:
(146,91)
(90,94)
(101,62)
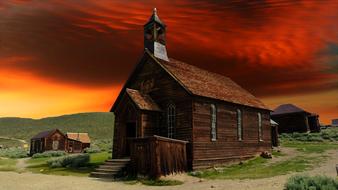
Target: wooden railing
(156,156)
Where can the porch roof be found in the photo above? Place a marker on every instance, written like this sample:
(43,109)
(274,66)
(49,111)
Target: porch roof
(142,101)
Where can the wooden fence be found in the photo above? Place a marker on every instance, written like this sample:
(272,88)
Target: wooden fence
(155,156)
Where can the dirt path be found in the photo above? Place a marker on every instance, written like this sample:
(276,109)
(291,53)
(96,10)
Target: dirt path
(21,164)
(29,181)
(10,138)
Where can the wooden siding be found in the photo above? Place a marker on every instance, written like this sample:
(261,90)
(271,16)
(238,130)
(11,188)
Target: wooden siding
(227,147)
(46,144)
(166,90)
(163,89)
(155,156)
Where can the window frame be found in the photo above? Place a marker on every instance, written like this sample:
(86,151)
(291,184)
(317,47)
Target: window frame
(213,122)
(171,120)
(260,129)
(239,119)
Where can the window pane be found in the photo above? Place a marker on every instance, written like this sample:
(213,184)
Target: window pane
(171,116)
(239,124)
(213,122)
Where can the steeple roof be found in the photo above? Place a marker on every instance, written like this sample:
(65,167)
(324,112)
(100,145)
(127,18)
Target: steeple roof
(155,18)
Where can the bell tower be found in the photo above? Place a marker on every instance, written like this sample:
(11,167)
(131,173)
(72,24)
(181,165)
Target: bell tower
(154,36)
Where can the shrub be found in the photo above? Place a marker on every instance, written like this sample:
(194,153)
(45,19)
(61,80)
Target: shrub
(103,144)
(315,138)
(92,149)
(13,153)
(49,154)
(72,161)
(300,182)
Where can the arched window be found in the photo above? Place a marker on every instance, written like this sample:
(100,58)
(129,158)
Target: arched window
(260,136)
(239,125)
(171,120)
(213,122)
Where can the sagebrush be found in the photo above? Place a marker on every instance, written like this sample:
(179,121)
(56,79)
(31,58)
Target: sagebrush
(300,182)
(72,161)
(323,135)
(14,152)
(49,154)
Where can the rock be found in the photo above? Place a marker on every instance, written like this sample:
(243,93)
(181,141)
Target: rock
(266,154)
(212,186)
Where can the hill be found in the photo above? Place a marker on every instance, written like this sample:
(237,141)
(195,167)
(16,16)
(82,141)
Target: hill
(99,125)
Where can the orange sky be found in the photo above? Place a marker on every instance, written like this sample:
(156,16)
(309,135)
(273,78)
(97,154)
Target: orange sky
(60,57)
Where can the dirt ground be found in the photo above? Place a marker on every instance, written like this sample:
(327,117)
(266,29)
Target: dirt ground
(29,181)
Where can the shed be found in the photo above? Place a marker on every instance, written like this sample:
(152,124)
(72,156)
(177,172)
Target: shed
(292,118)
(48,140)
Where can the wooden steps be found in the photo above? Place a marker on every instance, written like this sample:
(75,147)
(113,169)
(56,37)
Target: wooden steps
(111,169)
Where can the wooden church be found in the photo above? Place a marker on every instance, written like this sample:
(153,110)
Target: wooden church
(171,116)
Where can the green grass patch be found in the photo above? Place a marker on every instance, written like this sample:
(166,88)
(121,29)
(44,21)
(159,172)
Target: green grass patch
(99,158)
(39,165)
(161,182)
(310,147)
(6,143)
(152,182)
(7,164)
(260,168)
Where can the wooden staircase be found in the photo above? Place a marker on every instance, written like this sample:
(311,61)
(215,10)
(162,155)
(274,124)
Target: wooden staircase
(112,168)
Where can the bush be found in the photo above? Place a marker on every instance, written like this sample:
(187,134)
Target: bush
(72,161)
(308,183)
(325,135)
(92,149)
(103,144)
(13,153)
(49,154)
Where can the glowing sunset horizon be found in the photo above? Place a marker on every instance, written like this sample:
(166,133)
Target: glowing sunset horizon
(64,57)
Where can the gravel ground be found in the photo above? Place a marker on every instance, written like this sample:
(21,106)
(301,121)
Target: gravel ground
(29,181)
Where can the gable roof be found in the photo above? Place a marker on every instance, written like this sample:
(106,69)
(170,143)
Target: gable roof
(273,123)
(287,108)
(198,82)
(82,137)
(45,134)
(208,84)
(142,101)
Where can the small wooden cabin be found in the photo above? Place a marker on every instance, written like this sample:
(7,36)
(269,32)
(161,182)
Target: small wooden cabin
(208,118)
(57,141)
(291,118)
(48,140)
(77,142)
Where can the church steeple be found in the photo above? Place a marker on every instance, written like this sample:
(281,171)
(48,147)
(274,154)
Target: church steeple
(154,36)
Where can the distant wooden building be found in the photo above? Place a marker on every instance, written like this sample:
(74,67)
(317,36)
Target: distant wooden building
(199,118)
(57,141)
(48,140)
(291,118)
(77,142)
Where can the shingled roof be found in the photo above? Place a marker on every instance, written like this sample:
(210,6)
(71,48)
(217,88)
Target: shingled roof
(82,137)
(207,84)
(287,108)
(44,134)
(142,101)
